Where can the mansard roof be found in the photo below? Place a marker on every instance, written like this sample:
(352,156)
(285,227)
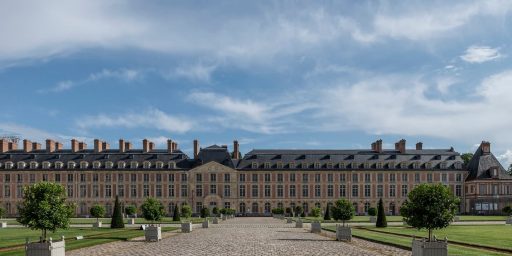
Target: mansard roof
(215,153)
(482,164)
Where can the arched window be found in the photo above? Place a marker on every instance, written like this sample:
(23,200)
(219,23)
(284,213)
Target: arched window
(172,165)
(159,164)
(146,165)
(21,165)
(267,207)
(59,165)
(121,165)
(46,165)
(71,165)
(366,207)
(96,164)
(255,208)
(305,207)
(170,208)
(134,164)
(9,165)
(33,165)
(109,165)
(242,208)
(84,165)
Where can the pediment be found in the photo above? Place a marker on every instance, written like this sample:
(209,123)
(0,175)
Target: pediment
(212,167)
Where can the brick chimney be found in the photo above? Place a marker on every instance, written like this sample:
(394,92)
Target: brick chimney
(82,146)
(419,146)
(196,148)
(106,146)
(36,146)
(146,145)
(486,147)
(170,146)
(174,146)
(378,146)
(74,145)
(151,146)
(4,145)
(13,146)
(400,146)
(236,149)
(122,148)
(98,146)
(59,146)
(27,146)
(128,145)
(374,146)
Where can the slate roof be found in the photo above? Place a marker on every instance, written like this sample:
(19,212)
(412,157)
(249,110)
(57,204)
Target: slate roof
(214,153)
(481,164)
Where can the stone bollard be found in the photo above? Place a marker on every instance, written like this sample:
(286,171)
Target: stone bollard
(343,233)
(206,223)
(316,227)
(3,225)
(224,217)
(215,220)
(186,227)
(97,224)
(298,223)
(509,220)
(132,221)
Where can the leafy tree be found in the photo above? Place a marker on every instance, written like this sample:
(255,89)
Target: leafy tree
(176,215)
(298,210)
(186,211)
(381,215)
(430,206)
(2,212)
(130,210)
(277,211)
(97,211)
(231,211)
(288,210)
(343,210)
(507,210)
(205,212)
(372,211)
(44,208)
(315,212)
(327,215)
(223,211)
(152,210)
(466,157)
(215,210)
(117,215)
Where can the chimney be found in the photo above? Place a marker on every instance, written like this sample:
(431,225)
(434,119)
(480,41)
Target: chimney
(27,146)
(400,146)
(378,146)
(374,146)
(58,146)
(74,145)
(151,146)
(128,145)
(196,148)
(122,148)
(146,145)
(419,146)
(236,150)
(106,146)
(485,147)
(50,146)
(174,146)
(4,145)
(170,146)
(82,146)
(98,146)
(36,146)
(13,146)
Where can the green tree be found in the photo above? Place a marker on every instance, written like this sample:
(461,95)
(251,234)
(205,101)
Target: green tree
(381,215)
(215,210)
(298,210)
(97,211)
(2,212)
(186,211)
(430,206)
(315,212)
(327,215)
(466,157)
(176,215)
(130,210)
(152,210)
(44,208)
(205,212)
(117,215)
(372,211)
(288,211)
(343,210)
(223,211)
(507,210)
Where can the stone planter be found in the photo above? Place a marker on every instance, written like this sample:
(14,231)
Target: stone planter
(153,233)
(298,223)
(456,218)
(509,220)
(373,219)
(186,227)
(215,220)
(224,217)
(281,217)
(3,225)
(289,220)
(316,227)
(97,224)
(420,247)
(343,233)
(132,221)
(49,248)
(206,224)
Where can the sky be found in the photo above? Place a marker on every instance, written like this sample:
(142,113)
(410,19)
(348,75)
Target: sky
(271,74)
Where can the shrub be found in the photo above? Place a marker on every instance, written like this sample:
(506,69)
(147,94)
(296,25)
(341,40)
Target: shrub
(215,210)
(2,212)
(507,210)
(381,216)
(205,212)
(223,211)
(152,210)
(299,210)
(288,210)
(186,211)
(315,212)
(372,211)
(278,211)
(430,206)
(130,210)
(327,215)
(176,215)
(117,216)
(343,210)
(230,211)
(97,211)
(44,208)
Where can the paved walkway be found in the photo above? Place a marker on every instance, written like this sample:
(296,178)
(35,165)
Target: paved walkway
(243,236)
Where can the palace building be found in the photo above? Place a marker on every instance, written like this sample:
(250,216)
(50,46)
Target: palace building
(252,184)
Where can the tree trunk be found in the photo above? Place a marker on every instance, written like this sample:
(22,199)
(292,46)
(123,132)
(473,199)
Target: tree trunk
(430,235)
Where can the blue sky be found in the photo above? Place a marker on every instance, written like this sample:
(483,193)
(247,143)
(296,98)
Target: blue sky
(286,74)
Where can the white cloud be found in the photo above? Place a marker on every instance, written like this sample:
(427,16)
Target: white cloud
(506,158)
(152,118)
(480,54)
(445,83)
(198,72)
(125,75)
(26,132)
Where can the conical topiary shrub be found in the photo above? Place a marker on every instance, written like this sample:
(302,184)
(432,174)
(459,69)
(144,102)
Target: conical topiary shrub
(381,216)
(176,216)
(327,215)
(117,216)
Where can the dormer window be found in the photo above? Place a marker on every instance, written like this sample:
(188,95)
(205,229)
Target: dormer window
(416,165)
(71,165)
(391,165)
(254,165)
(172,165)
(33,165)
(159,164)
(96,164)
(134,164)
(267,165)
(59,165)
(109,164)
(21,165)
(292,165)
(84,165)
(367,165)
(279,165)
(428,165)
(342,165)
(494,172)
(121,165)
(329,165)
(403,165)
(379,165)
(9,165)
(458,165)
(317,166)
(146,165)
(46,165)
(443,165)
(304,165)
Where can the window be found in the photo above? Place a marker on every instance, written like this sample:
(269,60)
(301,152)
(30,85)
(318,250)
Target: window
(343,191)
(184,177)
(146,177)
(355,191)
(134,164)
(367,190)
(7,191)
(159,177)
(254,190)
(171,177)
(71,165)
(458,190)
(392,177)
(133,177)
(405,177)
(267,190)
(242,191)
(279,165)
(59,165)
(213,177)
(120,190)
(392,190)
(242,177)
(379,165)
(84,165)
(305,178)
(292,191)
(354,177)
(317,177)
(9,165)
(108,177)
(279,177)
(70,177)
(21,165)
(403,165)
(318,191)
(280,190)
(329,165)
(171,165)
(304,165)
(146,165)
(199,190)
(227,191)
(317,166)
(171,190)
(405,190)
(458,177)
(254,165)
(83,191)
(267,177)
(417,177)
(159,165)
(444,177)
(133,191)
(292,165)
(254,177)
(33,165)
(416,165)
(292,177)
(429,177)
(57,177)
(19,191)
(443,165)
(96,165)
(380,177)
(305,191)
(330,190)
(32,178)
(121,165)
(82,177)
(70,190)
(184,190)
(341,165)
(199,177)
(330,178)
(108,191)
(267,165)
(227,177)
(213,189)
(380,191)
(95,191)
(342,177)
(95,177)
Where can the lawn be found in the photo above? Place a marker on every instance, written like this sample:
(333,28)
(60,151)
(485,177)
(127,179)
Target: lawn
(11,237)
(406,242)
(106,221)
(357,219)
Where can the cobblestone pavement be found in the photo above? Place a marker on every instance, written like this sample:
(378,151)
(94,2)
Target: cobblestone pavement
(243,236)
